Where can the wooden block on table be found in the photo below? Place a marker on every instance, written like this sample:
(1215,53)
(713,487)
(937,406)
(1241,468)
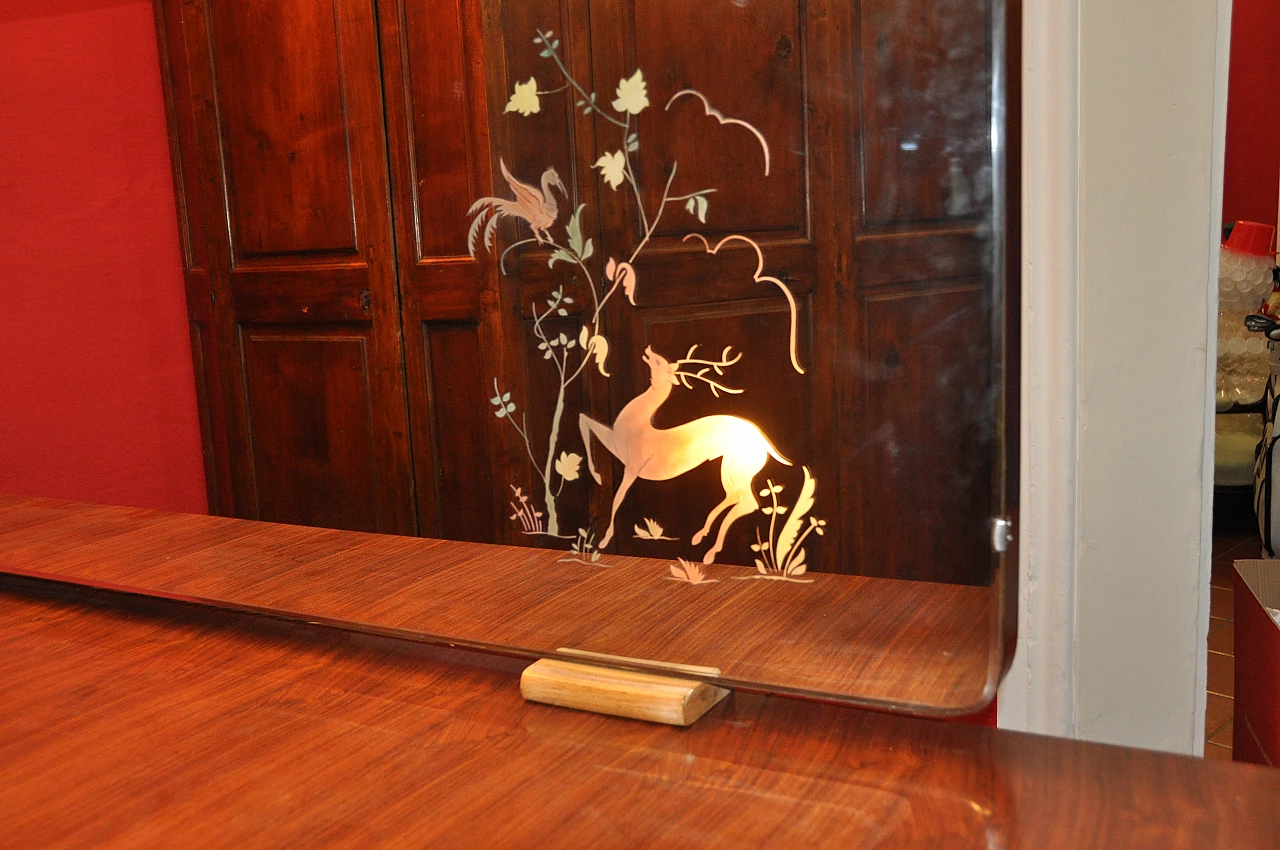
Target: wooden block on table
(621,693)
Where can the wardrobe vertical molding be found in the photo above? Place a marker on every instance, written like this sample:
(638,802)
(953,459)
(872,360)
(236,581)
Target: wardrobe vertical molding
(326,153)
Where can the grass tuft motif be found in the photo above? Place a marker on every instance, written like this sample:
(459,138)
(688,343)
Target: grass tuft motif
(781,556)
(689,573)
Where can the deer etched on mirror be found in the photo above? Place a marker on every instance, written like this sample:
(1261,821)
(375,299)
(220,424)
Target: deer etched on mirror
(660,454)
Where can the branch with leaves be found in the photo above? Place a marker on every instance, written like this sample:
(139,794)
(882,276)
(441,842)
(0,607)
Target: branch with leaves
(561,350)
(603,275)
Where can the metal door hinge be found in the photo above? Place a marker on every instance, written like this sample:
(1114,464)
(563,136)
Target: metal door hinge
(1001,534)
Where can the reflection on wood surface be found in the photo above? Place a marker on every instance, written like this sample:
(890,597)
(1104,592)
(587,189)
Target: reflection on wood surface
(878,641)
(137,723)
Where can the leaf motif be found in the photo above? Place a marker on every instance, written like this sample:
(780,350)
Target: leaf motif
(640,533)
(574,229)
(797,566)
(760,566)
(599,346)
(613,168)
(584,336)
(559,255)
(587,250)
(702,204)
(568,465)
(791,528)
(632,94)
(525,98)
(625,273)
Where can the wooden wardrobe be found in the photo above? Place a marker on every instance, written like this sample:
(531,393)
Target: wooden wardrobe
(347,344)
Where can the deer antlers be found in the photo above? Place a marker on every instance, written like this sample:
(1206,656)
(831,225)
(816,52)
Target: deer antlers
(707,366)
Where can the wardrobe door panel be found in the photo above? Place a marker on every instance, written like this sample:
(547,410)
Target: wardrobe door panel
(454,337)
(750,61)
(460,460)
(926,459)
(281,77)
(309,405)
(925,110)
(919,452)
(288,126)
(180,111)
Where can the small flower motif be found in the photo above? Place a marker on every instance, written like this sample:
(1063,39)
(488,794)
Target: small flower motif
(525,98)
(568,465)
(613,168)
(633,97)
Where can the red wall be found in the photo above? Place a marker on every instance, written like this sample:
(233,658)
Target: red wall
(97,398)
(1253,113)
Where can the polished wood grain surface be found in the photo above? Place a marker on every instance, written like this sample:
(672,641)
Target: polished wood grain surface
(130,722)
(915,646)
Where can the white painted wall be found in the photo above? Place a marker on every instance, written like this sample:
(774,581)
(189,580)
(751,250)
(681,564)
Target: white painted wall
(1124,125)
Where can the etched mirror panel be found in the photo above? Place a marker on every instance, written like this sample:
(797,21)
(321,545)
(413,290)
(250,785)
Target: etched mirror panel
(756,253)
(698,309)
(734,350)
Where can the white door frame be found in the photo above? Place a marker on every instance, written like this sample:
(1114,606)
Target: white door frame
(1073,553)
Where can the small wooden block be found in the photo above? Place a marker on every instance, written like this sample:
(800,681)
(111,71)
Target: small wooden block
(621,693)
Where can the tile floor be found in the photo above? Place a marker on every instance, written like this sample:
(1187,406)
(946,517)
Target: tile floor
(1219,711)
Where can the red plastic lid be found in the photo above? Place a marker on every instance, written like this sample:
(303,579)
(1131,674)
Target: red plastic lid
(1250,237)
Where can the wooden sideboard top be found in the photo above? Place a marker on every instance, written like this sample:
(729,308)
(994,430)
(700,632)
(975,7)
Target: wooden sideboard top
(923,646)
(138,722)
